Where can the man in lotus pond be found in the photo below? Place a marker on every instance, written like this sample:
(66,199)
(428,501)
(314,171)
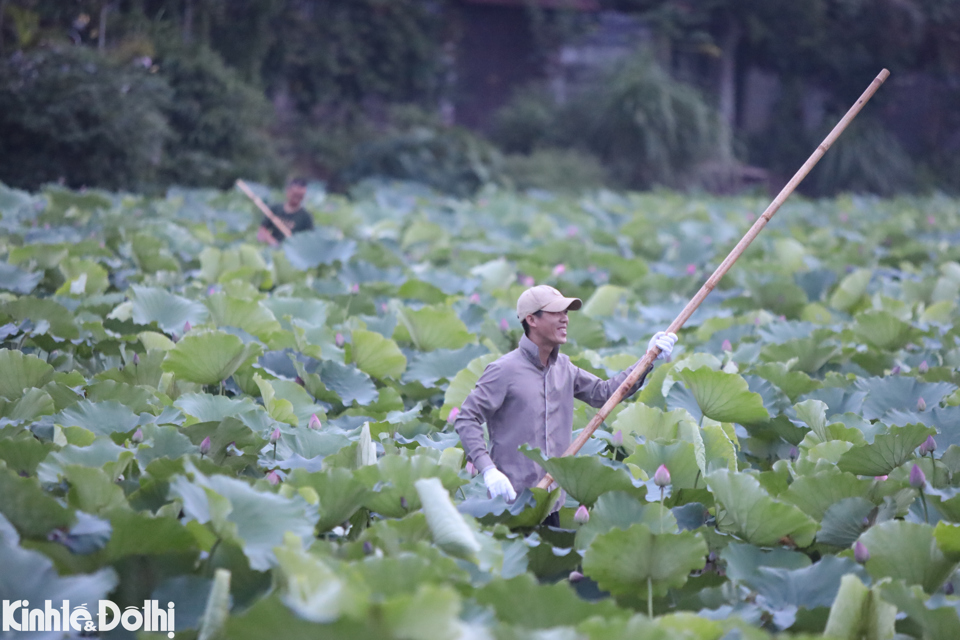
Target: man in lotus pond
(526,396)
(291,213)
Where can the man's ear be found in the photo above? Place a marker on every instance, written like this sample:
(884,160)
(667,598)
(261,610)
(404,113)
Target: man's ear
(531,320)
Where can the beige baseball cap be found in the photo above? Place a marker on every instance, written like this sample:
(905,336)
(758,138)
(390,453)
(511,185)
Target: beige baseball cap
(544,298)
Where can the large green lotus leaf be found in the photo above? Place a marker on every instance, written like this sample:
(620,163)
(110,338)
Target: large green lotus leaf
(430,611)
(679,457)
(900,393)
(724,397)
(883,330)
(17,280)
(339,492)
(204,407)
(948,539)
(311,312)
(528,510)
(137,399)
(23,452)
(496,274)
(301,402)
(393,478)
(745,562)
(170,312)
(792,383)
(377,356)
(887,452)
(906,551)
(342,383)
(29,508)
(808,587)
(524,602)
(163,442)
(815,493)
(585,332)
(279,409)
(429,368)
(630,562)
(255,520)
(100,418)
(604,301)
(747,511)
(93,491)
(83,278)
(618,510)
(414,289)
(463,383)
(30,575)
(310,249)
(850,290)
(432,327)
(650,423)
(806,354)
(48,317)
(153,254)
(719,448)
(843,522)
(393,575)
(859,612)
(270,613)
(586,478)
(249,315)
(209,357)
(102,453)
(33,404)
(937,617)
(19,371)
(147,372)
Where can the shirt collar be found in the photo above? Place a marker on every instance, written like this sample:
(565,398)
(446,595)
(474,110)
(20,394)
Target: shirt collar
(530,349)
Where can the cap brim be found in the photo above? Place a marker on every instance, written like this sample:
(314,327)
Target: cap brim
(564,304)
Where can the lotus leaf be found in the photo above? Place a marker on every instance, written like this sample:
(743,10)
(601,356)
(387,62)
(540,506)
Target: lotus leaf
(724,397)
(906,551)
(209,357)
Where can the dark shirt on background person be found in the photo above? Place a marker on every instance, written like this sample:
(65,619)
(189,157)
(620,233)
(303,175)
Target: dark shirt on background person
(291,213)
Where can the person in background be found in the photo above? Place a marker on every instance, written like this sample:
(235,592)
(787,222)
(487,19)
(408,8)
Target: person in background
(291,213)
(526,396)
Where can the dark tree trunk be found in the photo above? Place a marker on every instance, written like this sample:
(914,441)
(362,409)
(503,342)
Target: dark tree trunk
(3,10)
(188,22)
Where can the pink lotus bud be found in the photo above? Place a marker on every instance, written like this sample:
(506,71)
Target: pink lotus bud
(917,477)
(726,346)
(691,269)
(355,288)
(383,307)
(367,547)
(924,367)
(860,552)
(136,359)
(314,422)
(451,418)
(212,289)
(591,269)
(895,371)
(880,478)
(273,477)
(794,453)
(929,446)
(475,298)
(662,477)
(275,436)
(137,436)
(572,231)
(528,281)
(931,221)
(921,404)
(300,381)
(751,217)
(205,446)
(403,503)
(338,339)
(582,516)
(471,468)
(617,439)
(186,326)
(575,576)
(504,325)
(844,217)
(559,269)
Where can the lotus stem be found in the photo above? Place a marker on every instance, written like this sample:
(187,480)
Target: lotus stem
(923,499)
(650,597)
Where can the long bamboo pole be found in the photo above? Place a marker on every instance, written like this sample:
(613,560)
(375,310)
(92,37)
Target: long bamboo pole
(277,222)
(646,362)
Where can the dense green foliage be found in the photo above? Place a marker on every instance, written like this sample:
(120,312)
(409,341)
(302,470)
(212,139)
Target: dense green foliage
(264,436)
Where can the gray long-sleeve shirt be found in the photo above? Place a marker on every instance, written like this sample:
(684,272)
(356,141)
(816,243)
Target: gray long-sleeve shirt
(524,402)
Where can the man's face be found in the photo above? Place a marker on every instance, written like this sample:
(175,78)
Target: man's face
(550,327)
(295,195)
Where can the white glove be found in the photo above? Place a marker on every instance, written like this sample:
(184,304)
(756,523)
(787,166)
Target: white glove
(498,484)
(665,341)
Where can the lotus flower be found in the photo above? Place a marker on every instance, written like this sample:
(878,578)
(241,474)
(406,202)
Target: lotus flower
(924,367)
(186,326)
(575,576)
(662,477)
(367,547)
(931,221)
(504,325)
(205,446)
(528,281)
(843,218)
(794,453)
(136,359)
(559,269)
(917,477)
(948,588)
(475,298)
(691,269)
(617,439)
(572,231)
(921,404)
(582,516)
(453,415)
(403,503)
(314,422)
(355,288)
(929,446)
(338,339)
(726,346)
(300,381)
(137,436)
(880,478)
(895,371)
(860,553)
(273,477)
(751,217)
(275,436)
